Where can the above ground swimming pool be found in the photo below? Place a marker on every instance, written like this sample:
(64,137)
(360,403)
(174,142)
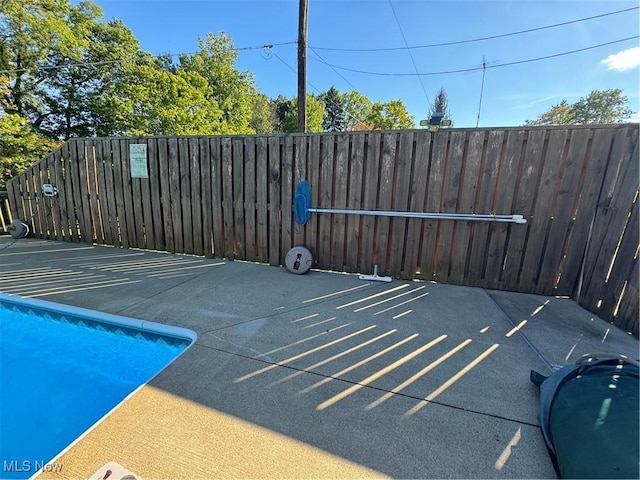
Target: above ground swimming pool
(63,368)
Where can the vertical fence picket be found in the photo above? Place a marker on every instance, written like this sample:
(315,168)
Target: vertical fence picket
(262,232)
(286,201)
(400,201)
(274,207)
(622,199)
(341,180)
(111,220)
(50,178)
(26,202)
(487,178)
(300,144)
(46,218)
(86,218)
(196,197)
(449,204)
(103,191)
(517,182)
(227,198)
(142,200)
(507,183)
(237,182)
(15,202)
(354,201)
(215,152)
(61,199)
(185,195)
(5,212)
(94,190)
(249,185)
(384,202)
(469,183)
(130,188)
(627,315)
(592,271)
(551,164)
(415,227)
(164,173)
(313,177)
(38,224)
(205,192)
(432,204)
(23,201)
(325,200)
(550,262)
(584,212)
(79,231)
(120,217)
(621,269)
(153,207)
(174,186)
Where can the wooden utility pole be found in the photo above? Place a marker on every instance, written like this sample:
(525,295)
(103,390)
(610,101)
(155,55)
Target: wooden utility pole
(302,66)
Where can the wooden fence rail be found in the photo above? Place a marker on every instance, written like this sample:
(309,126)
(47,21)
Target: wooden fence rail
(232,197)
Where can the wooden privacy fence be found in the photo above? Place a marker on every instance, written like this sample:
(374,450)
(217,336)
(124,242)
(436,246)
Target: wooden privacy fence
(232,197)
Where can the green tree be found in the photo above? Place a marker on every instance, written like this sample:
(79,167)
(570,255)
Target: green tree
(357,109)
(59,58)
(600,106)
(391,115)
(153,101)
(286,112)
(202,94)
(29,30)
(335,114)
(263,118)
(232,90)
(280,108)
(560,114)
(76,91)
(20,146)
(440,104)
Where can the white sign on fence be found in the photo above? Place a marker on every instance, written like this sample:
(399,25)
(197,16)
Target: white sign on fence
(138,159)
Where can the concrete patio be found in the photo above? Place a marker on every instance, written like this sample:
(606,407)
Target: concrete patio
(319,375)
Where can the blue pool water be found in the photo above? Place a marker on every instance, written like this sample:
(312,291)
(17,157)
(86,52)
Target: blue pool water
(60,372)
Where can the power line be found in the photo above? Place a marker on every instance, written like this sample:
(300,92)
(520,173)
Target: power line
(295,71)
(314,87)
(59,67)
(111,62)
(322,60)
(480,39)
(473,69)
(415,67)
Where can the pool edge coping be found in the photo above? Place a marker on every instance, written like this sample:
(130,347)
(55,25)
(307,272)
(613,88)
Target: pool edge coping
(110,318)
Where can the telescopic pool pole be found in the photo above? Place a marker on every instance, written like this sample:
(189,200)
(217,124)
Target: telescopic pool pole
(302,211)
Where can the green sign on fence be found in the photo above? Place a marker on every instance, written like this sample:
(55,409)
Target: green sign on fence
(138,159)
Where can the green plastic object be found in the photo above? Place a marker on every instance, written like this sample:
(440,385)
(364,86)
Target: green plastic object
(589,417)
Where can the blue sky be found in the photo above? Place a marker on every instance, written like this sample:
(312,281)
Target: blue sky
(511,94)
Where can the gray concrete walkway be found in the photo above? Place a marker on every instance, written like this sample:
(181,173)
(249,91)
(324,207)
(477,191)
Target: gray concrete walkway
(319,375)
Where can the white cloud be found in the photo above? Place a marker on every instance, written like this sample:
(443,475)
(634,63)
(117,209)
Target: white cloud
(624,60)
(635,117)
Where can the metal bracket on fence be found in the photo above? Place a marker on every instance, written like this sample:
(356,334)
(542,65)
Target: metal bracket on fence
(49,190)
